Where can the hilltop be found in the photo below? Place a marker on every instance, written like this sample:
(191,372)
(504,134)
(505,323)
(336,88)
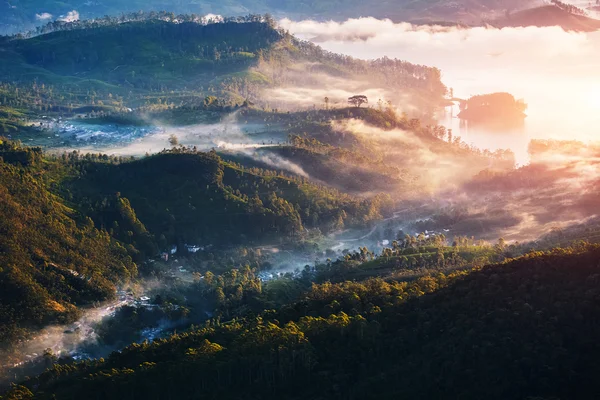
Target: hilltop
(26,15)
(550,15)
(113,65)
(184,196)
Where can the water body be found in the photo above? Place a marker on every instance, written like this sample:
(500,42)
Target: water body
(554,71)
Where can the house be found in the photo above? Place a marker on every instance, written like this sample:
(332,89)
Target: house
(192,248)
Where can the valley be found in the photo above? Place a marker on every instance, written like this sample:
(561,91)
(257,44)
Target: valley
(244,207)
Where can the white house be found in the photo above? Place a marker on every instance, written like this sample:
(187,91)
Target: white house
(192,248)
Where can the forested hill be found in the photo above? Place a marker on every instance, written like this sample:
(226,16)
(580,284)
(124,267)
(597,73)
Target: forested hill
(183,196)
(523,329)
(20,15)
(137,55)
(52,258)
(73,226)
(113,64)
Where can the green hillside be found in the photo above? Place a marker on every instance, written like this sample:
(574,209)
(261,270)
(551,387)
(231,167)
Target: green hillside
(73,225)
(187,197)
(52,259)
(145,54)
(113,65)
(19,15)
(521,329)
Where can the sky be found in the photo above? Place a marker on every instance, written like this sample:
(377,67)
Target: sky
(554,71)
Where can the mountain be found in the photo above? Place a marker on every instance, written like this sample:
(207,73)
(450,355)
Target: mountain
(550,15)
(183,197)
(52,258)
(145,60)
(521,329)
(73,225)
(18,16)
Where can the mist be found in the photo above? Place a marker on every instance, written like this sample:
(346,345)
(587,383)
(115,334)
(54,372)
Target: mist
(90,335)
(406,150)
(228,136)
(558,189)
(43,16)
(71,16)
(305,88)
(554,71)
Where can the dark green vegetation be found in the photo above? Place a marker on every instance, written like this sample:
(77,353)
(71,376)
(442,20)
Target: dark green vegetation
(149,54)
(52,258)
(183,196)
(73,225)
(151,64)
(19,16)
(520,329)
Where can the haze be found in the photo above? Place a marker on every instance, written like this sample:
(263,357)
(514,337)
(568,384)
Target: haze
(554,71)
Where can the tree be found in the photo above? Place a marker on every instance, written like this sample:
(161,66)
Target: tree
(326,103)
(358,100)
(173,141)
(211,101)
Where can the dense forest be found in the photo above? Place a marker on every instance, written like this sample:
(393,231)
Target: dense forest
(116,66)
(73,225)
(520,329)
(181,196)
(284,236)
(52,258)
(40,12)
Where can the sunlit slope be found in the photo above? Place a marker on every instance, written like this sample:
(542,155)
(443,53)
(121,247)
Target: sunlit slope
(52,259)
(522,329)
(131,64)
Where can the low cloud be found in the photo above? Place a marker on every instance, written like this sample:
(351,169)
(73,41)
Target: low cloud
(437,166)
(43,16)
(554,71)
(70,17)
(305,85)
(277,162)
(558,189)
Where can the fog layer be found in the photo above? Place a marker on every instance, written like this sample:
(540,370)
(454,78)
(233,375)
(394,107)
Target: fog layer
(554,71)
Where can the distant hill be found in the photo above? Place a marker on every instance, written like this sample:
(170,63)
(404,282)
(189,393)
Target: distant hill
(550,15)
(19,15)
(136,55)
(110,64)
